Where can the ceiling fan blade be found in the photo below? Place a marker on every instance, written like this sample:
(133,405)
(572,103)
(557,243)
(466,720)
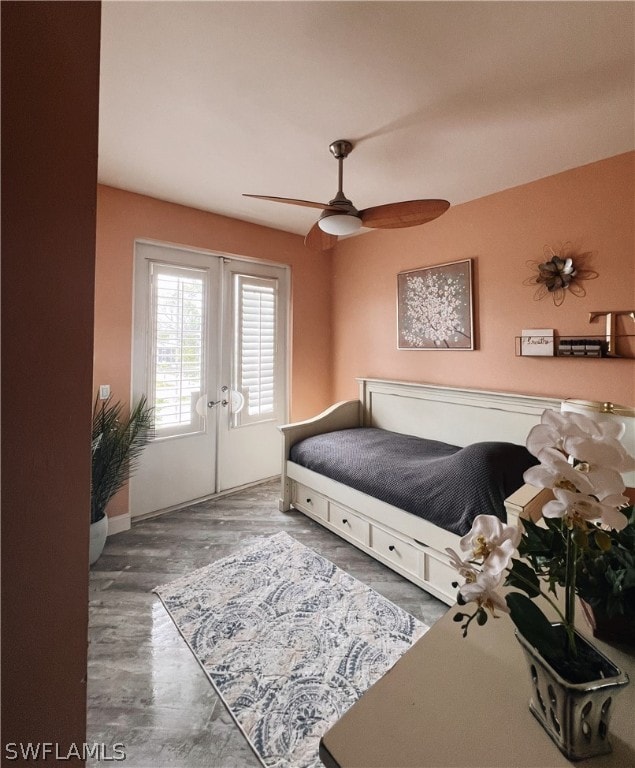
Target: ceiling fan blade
(293,201)
(318,240)
(407,214)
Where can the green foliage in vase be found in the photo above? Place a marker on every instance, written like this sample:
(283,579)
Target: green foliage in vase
(584,545)
(117,442)
(606,571)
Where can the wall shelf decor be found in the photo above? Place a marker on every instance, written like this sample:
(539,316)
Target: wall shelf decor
(537,342)
(610,317)
(578,347)
(572,346)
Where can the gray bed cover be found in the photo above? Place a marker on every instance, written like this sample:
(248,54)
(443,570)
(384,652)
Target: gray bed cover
(442,483)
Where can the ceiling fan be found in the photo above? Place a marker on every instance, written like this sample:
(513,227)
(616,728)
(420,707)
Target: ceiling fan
(340,217)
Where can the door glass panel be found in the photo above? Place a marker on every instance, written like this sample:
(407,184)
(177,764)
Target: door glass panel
(178,348)
(255,347)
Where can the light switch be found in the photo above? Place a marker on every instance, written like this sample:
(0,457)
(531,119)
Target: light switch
(104,391)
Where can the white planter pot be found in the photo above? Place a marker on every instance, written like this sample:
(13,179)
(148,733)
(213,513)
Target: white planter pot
(575,715)
(98,534)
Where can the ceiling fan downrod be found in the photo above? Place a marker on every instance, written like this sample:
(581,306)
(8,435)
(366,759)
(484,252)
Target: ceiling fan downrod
(345,220)
(340,150)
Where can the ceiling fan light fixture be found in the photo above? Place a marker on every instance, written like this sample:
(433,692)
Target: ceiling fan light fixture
(340,223)
(340,217)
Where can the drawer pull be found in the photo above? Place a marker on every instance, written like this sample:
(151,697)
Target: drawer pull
(344,521)
(308,501)
(391,548)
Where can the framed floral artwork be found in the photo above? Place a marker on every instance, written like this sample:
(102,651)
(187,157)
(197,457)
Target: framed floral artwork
(434,307)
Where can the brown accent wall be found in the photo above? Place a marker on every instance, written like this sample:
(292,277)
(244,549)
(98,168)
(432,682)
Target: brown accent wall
(50,97)
(592,206)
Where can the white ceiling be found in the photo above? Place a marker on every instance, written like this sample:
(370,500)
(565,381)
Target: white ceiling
(202,101)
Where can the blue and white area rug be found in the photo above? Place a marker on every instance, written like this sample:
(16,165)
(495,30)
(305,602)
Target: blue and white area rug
(289,641)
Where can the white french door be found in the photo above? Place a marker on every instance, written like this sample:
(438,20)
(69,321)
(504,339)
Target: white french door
(254,358)
(210,355)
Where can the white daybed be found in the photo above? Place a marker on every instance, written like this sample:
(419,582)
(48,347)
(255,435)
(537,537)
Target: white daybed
(408,544)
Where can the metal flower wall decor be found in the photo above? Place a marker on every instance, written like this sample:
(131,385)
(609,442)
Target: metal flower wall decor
(562,271)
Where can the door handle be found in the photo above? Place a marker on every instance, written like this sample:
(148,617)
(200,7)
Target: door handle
(234,399)
(212,403)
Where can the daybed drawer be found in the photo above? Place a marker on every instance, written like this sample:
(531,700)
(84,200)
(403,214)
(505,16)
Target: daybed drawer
(396,550)
(440,574)
(309,501)
(351,525)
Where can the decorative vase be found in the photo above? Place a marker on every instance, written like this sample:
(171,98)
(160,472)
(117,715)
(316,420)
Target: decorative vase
(98,534)
(575,715)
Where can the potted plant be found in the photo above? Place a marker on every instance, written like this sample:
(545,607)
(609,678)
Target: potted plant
(117,442)
(606,583)
(584,546)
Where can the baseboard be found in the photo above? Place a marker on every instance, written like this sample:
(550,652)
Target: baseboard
(119,523)
(209,497)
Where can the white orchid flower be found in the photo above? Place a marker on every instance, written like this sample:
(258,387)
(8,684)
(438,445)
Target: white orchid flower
(550,435)
(560,431)
(555,471)
(586,426)
(577,424)
(601,451)
(554,427)
(577,506)
(465,568)
(540,437)
(482,590)
(491,541)
(613,518)
(604,481)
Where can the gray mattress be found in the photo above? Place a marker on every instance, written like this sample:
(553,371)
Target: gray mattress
(442,483)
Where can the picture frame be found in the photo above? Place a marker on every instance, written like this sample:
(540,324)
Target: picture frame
(435,308)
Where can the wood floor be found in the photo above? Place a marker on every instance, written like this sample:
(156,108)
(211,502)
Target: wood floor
(146,691)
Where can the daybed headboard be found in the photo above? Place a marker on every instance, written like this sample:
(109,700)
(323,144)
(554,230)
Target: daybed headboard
(452,415)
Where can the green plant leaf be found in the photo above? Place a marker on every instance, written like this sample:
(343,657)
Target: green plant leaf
(605,572)
(532,623)
(603,540)
(581,538)
(522,576)
(117,442)
(536,540)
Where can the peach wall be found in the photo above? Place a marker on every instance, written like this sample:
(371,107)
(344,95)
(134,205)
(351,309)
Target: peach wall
(123,216)
(591,206)
(344,305)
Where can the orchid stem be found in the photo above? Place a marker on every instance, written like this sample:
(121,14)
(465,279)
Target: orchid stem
(570,590)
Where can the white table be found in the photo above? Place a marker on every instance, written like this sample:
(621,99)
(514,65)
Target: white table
(451,702)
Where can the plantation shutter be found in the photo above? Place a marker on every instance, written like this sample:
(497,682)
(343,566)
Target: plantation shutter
(256,347)
(178,347)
